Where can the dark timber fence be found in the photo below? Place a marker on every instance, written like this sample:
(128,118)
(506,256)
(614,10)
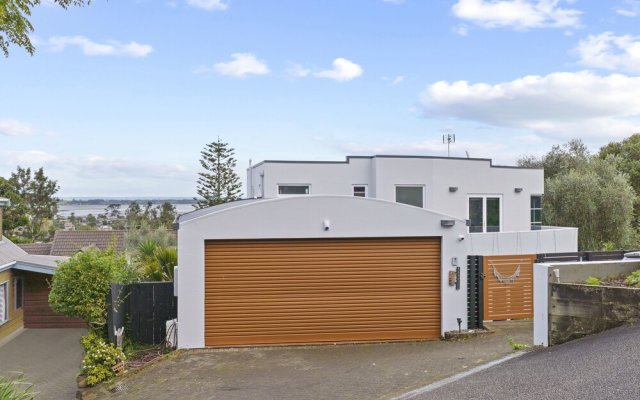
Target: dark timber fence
(582,256)
(143,309)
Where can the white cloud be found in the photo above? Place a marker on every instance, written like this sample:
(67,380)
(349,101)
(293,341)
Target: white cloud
(608,51)
(461,29)
(12,127)
(209,5)
(630,8)
(242,64)
(298,71)
(563,104)
(398,80)
(517,14)
(343,70)
(393,1)
(36,158)
(91,48)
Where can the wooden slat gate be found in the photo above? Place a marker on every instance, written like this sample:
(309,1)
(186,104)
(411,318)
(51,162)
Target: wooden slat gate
(474,292)
(508,287)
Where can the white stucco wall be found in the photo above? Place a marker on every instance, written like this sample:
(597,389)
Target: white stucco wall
(383,173)
(548,240)
(302,217)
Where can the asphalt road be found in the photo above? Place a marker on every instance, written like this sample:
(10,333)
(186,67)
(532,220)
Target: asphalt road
(603,366)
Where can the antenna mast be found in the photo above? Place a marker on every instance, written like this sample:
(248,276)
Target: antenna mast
(448,138)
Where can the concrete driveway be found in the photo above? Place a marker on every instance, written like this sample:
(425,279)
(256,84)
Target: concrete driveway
(48,358)
(603,366)
(363,371)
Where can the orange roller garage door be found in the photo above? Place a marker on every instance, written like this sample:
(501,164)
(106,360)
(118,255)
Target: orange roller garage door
(321,290)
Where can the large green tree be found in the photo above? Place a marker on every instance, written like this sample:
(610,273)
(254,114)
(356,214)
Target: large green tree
(560,159)
(33,201)
(627,159)
(15,26)
(218,183)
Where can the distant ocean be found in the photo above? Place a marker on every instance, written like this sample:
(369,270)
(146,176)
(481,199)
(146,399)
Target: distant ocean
(82,210)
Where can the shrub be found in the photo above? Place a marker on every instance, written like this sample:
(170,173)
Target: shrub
(634,278)
(15,389)
(80,285)
(592,280)
(99,358)
(517,346)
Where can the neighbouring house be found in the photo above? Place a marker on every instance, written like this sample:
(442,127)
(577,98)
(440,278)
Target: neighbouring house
(68,243)
(24,289)
(502,204)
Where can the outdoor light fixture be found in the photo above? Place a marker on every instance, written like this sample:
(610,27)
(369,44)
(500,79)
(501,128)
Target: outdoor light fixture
(453,189)
(518,190)
(447,222)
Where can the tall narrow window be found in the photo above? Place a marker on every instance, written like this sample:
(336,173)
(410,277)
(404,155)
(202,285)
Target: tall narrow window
(360,190)
(536,213)
(4,302)
(411,195)
(484,214)
(18,290)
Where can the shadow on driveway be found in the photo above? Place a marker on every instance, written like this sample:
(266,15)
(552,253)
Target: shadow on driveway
(49,358)
(358,371)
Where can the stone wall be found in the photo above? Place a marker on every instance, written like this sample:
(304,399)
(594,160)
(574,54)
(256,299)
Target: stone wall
(580,310)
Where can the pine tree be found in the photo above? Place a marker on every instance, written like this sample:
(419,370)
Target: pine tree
(218,183)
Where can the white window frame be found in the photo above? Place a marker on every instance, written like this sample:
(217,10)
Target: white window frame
(424,193)
(531,209)
(366,190)
(15,292)
(484,197)
(292,184)
(5,318)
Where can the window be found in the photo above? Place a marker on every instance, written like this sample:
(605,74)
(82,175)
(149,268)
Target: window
(411,195)
(360,190)
(484,214)
(4,302)
(536,213)
(293,190)
(18,290)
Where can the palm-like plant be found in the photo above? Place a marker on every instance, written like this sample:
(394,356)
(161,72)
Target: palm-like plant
(156,262)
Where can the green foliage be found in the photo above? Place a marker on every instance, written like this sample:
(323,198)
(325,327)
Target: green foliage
(592,280)
(608,246)
(33,202)
(15,26)
(633,279)
(15,388)
(156,262)
(594,197)
(561,159)
(517,346)
(218,183)
(80,285)
(627,159)
(99,358)
(160,236)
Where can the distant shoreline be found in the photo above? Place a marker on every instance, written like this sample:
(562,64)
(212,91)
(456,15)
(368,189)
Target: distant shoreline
(106,202)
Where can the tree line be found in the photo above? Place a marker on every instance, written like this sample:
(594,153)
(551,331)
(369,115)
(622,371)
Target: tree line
(598,193)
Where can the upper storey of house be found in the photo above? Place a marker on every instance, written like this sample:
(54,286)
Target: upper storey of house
(493,198)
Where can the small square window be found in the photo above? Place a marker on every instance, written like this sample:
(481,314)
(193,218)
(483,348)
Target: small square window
(411,195)
(360,190)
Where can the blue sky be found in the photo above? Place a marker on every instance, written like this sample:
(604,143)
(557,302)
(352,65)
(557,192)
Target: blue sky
(121,96)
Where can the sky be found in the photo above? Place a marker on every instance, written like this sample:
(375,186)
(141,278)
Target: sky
(121,96)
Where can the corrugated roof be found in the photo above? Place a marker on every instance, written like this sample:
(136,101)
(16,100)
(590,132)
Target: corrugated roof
(39,249)
(67,243)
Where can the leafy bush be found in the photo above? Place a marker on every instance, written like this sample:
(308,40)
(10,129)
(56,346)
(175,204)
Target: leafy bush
(592,280)
(15,389)
(80,285)
(517,346)
(155,262)
(634,278)
(99,358)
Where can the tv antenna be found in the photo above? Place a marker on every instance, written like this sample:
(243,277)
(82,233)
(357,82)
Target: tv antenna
(448,137)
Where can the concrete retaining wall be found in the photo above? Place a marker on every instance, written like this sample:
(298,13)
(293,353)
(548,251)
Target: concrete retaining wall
(580,310)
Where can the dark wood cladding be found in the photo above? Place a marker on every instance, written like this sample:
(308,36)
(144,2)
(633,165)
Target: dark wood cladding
(37,313)
(321,290)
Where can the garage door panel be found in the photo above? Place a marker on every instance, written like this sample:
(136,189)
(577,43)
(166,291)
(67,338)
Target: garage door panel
(307,291)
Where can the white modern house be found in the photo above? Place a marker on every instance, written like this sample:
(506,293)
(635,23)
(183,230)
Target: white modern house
(502,204)
(368,249)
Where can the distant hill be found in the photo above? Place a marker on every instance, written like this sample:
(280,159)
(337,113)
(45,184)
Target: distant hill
(108,201)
